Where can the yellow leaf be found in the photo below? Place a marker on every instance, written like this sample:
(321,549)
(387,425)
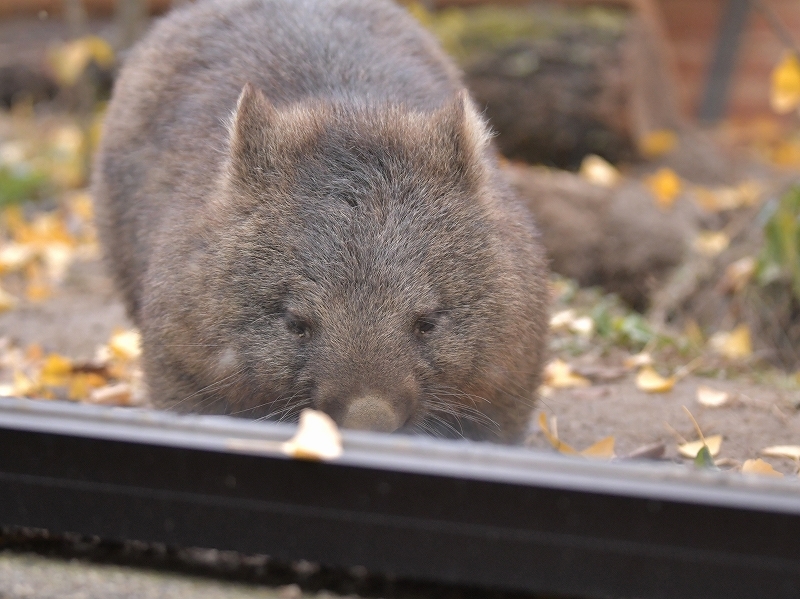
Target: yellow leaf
(56,370)
(83,383)
(711,243)
(782,451)
(57,258)
(665,186)
(734,345)
(785,89)
(759,466)
(657,143)
(786,153)
(70,60)
(553,438)
(81,205)
(747,193)
(37,289)
(598,171)
(602,449)
(650,381)
(691,449)
(317,438)
(23,386)
(126,345)
(637,360)
(712,398)
(15,256)
(558,374)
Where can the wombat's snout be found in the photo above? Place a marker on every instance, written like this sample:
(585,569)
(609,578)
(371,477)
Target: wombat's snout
(371,413)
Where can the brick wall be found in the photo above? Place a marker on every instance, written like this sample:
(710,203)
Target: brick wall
(692,28)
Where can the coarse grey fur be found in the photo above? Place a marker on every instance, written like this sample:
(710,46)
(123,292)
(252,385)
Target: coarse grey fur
(301,208)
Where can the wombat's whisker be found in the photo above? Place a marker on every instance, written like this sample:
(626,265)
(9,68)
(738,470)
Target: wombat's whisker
(287,402)
(215,386)
(442,422)
(459,411)
(291,411)
(460,393)
(467,412)
(427,428)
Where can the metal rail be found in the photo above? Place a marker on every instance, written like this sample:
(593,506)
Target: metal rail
(444,511)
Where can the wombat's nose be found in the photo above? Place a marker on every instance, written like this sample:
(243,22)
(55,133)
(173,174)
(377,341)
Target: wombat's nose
(371,413)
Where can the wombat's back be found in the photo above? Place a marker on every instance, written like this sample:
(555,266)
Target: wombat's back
(168,120)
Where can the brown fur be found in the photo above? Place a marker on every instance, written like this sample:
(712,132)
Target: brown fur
(301,207)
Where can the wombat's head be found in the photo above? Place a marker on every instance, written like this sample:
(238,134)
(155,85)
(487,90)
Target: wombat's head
(357,263)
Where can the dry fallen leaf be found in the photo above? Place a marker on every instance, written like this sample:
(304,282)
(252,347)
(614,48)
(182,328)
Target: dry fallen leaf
(55,370)
(82,384)
(126,345)
(598,171)
(569,320)
(71,59)
(649,381)
(561,320)
(691,449)
(552,436)
(665,185)
(637,360)
(718,199)
(785,89)
(759,466)
(119,394)
(711,398)
(583,326)
(23,386)
(734,345)
(782,451)
(603,449)
(15,256)
(559,375)
(711,243)
(317,438)
(657,143)
(738,274)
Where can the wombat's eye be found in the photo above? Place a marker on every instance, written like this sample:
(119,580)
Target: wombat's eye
(298,326)
(425,325)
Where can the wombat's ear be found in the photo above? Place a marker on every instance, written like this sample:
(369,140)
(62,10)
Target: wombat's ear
(250,130)
(465,131)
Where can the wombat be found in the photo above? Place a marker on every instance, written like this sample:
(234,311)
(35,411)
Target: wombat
(302,208)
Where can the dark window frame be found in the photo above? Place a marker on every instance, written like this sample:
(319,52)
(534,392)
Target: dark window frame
(418,508)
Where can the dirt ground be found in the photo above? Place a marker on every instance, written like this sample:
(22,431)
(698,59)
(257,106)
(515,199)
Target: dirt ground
(84,312)
(28,576)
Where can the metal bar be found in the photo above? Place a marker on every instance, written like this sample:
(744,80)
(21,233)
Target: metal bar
(444,511)
(715,96)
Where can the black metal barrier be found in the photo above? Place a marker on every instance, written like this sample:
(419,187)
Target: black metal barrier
(417,508)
